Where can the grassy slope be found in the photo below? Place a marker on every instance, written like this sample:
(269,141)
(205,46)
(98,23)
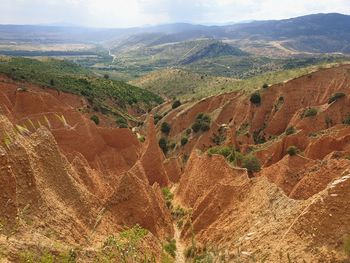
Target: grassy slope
(187,85)
(69,77)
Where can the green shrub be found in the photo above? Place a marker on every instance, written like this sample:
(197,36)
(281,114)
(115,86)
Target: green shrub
(106,76)
(290,130)
(251,163)
(122,123)
(292,150)
(310,112)
(221,150)
(95,119)
(168,196)
(184,141)
(141,138)
(188,132)
(265,86)
(165,128)
(176,104)
(347,120)
(170,248)
(335,97)
(163,144)
(202,123)
(255,98)
(157,118)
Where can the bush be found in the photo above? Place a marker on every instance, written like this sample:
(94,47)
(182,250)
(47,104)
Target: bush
(168,196)
(106,76)
(184,141)
(265,86)
(176,104)
(165,128)
(255,98)
(170,248)
(202,123)
(188,132)
(121,122)
(251,163)
(157,118)
(347,120)
(95,119)
(335,97)
(310,112)
(163,144)
(290,130)
(292,150)
(221,150)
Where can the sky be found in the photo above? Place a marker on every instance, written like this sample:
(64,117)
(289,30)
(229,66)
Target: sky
(129,13)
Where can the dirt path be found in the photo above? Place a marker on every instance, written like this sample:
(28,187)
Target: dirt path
(180,247)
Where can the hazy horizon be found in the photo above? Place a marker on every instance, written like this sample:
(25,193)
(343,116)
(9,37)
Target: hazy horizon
(116,14)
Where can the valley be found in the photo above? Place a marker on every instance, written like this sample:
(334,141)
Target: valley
(176,143)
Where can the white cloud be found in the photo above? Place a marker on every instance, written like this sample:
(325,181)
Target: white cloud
(122,13)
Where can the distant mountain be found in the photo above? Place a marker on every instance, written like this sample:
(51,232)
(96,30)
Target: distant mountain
(319,33)
(216,49)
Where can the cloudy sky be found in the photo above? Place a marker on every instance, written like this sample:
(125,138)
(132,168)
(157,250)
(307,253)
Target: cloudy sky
(126,13)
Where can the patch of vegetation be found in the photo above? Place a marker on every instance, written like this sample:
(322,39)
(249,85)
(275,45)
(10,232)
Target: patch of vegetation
(347,120)
(165,128)
(141,138)
(126,246)
(255,98)
(220,137)
(69,77)
(290,130)
(95,119)
(335,97)
(29,256)
(163,144)
(202,123)
(157,118)
(309,112)
(176,104)
(265,86)
(243,129)
(122,122)
(251,163)
(292,150)
(168,196)
(170,248)
(184,141)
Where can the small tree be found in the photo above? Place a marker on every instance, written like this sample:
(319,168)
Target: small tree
(265,86)
(163,144)
(184,141)
(121,122)
(290,130)
(335,97)
(310,112)
(176,104)
(95,119)
(251,163)
(292,150)
(106,76)
(165,128)
(255,98)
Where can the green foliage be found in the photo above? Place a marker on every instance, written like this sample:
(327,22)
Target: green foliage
(122,122)
(71,78)
(188,131)
(251,163)
(106,76)
(176,104)
(292,150)
(202,123)
(255,98)
(157,118)
(163,144)
(126,246)
(335,97)
(95,119)
(165,128)
(265,86)
(346,245)
(168,196)
(29,256)
(141,138)
(184,141)
(170,248)
(347,120)
(290,130)
(309,112)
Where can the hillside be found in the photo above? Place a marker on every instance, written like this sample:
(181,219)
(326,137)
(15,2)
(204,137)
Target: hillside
(105,95)
(254,176)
